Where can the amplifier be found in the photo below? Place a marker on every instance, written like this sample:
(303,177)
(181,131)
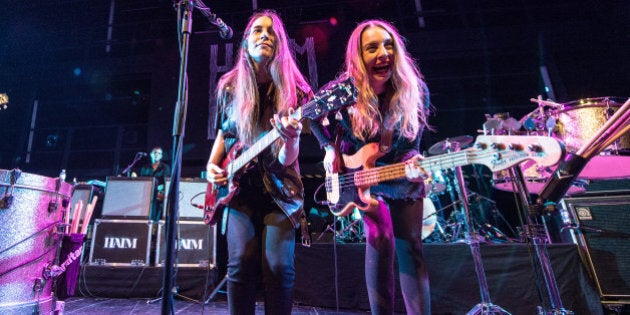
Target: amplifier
(599,225)
(190,190)
(197,244)
(121,242)
(128,197)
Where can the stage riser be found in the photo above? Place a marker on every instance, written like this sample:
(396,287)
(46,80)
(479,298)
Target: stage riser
(454,287)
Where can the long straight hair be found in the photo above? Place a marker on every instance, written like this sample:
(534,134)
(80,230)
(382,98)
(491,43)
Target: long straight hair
(238,87)
(406,108)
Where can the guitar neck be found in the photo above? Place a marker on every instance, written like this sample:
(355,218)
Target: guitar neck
(253,151)
(376,175)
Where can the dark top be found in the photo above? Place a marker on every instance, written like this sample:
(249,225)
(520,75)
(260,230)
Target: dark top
(162,171)
(282,183)
(401,150)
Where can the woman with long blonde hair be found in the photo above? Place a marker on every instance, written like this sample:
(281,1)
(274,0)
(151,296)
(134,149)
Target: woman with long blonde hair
(391,110)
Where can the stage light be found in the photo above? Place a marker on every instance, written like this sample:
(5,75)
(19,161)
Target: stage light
(4,101)
(333,21)
(77,72)
(52,140)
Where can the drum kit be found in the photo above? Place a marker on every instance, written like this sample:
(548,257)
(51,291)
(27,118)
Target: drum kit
(573,124)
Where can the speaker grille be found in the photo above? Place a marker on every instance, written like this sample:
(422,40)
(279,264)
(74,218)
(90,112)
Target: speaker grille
(127,197)
(603,234)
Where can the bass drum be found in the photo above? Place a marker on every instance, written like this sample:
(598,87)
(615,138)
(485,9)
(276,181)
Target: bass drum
(579,121)
(31,212)
(429,218)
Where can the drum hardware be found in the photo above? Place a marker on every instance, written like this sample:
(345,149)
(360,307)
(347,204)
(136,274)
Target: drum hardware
(7,200)
(500,124)
(347,229)
(444,146)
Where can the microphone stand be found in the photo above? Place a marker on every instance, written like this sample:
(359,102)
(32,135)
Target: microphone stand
(485,306)
(185,11)
(533,233)
(185,8)
(128,168)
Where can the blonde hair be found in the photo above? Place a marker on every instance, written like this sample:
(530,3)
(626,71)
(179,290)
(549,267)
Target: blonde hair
(238,89)
(406,108)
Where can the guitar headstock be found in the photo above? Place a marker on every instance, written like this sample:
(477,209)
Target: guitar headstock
(501,152)
(333,96)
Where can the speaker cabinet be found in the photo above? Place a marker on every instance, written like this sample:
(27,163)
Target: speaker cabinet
(121,243)
(128,197)
(600,225)
(197,244)
(190,190)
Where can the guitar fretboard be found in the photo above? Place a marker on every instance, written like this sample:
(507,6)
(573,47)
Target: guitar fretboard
(253,151)
(374,176)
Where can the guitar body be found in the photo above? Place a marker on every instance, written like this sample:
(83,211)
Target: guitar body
(344,194)
(219,196)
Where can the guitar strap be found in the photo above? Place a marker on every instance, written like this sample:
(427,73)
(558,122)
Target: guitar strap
(385,145)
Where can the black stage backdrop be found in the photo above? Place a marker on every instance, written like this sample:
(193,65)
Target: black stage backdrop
(454,286)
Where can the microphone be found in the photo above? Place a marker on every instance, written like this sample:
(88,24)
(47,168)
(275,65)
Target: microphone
(142,153)
(224,30)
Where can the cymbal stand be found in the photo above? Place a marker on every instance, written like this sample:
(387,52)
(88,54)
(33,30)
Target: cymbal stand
(532,233)
(485,307)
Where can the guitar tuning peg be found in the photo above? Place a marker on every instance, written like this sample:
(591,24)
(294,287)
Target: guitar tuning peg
(325,122)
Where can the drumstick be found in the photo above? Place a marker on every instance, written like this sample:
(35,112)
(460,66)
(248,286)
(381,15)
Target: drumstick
(88,215)
(75,218)
(596,138)
(67,220)
(548,103)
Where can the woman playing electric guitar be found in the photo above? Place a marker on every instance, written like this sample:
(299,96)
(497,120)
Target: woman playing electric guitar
(264,86)
(390,110)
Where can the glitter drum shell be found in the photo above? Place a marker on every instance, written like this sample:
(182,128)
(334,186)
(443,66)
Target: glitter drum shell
(31,214)
(579,121)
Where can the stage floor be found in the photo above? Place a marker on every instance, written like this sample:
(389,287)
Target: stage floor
(107,306)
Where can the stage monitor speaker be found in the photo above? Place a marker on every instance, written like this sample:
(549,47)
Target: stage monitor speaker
(600,225)
(190,190)
(128,197)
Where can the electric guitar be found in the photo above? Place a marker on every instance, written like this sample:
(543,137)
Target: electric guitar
(345,191)
(330,98)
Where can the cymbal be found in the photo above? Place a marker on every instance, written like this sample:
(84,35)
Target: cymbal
(446,145)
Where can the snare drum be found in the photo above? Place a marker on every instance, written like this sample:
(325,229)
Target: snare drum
(31,211)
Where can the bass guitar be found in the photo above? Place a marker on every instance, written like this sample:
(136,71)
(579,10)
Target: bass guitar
(329,98)
(350,189)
